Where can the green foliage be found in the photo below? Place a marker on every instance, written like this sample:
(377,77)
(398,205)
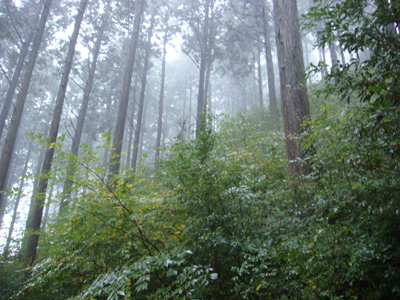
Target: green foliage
(221,219)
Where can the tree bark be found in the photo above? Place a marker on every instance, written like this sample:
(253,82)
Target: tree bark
(123,105)
(259,81)
(200,122)
(161,101)
(40,194)
(18,68)
(19,105)
(67,189)
(131,126)
(142,95)
(334,57)
(270,64)
(295,107)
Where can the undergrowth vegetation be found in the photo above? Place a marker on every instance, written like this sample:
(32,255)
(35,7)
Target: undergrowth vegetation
(222,219)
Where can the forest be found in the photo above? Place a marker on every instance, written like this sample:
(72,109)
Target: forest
(199,149)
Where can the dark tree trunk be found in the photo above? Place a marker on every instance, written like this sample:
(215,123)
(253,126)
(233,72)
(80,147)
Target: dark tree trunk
(18,69)
(270,64)
(295,108)
(19,105)
(35,185)
(123,104)
(40,194)
(161,101)
(83,109)
(142,95)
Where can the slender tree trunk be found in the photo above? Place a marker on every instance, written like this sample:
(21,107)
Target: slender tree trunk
(334,57)
(209,60)
(131,126)
(144,129)
(108,119)
(307,57)
(83,109)
(259,81)
(321,59)
(190,110)
(17,201)
(343,59)
(161,101)
(9,183)
(46,213)
(203,66)
(324,60)
(270,64)
(9,144)
(123,105)
(40,194)
(18,68)
(142,95)
(295,108)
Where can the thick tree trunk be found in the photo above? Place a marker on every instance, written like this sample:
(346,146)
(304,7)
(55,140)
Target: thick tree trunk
(295,107)
(19,105)
(161,101)
(123,105)
(270,64)
(40,194)
(83,109)
(18,68)
(142,95)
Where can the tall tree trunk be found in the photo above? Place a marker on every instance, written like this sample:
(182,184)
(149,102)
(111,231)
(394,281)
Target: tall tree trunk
(9,183)
(131,126)
(35,185)
(40,194)
(270,64)
(142,95)
(161,101)
(209,60)
(83,109)
(190,111)
(307,57)
(334,57)
(18,68)
(123,104)
(259,80)
(17,201)
(343,59)
(200,122)
(321,59)
(143,132)
(46,213)
(19,105)
(295,107)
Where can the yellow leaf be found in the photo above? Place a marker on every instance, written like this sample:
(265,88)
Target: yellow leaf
(259,287)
